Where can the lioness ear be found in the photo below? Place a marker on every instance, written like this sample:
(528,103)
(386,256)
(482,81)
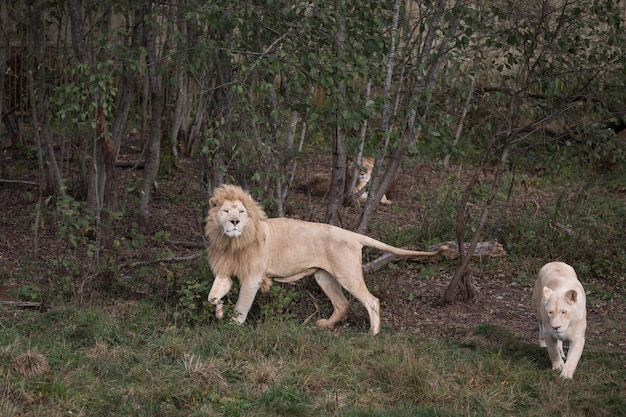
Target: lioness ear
(547,292)
(571,296)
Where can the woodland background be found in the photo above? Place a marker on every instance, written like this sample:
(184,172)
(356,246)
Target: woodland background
(491,120)
(246,89)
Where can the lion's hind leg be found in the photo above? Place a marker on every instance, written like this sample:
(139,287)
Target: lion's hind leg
(333,291)
(358,289)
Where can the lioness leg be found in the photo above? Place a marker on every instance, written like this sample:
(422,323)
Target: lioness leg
(555,355)
(542,341)
(574,352)
(333,291)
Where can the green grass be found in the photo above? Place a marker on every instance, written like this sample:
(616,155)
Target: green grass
(126,360)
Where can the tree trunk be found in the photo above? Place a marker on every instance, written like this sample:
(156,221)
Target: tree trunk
(182,98)
(126,88)
(338,174)
(153,145)
(40,106)
(461,281)
(378,187)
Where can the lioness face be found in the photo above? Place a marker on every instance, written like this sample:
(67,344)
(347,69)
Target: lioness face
(233,217)
(560,310)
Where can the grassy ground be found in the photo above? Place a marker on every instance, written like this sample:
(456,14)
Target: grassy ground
(128,339)
(123,360)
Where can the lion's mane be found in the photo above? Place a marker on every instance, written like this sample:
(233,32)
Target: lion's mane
(233,256)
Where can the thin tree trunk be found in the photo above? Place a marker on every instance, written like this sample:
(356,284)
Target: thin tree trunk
(459,128)
(199,121)
(181,89)
(348,197)
(153,145)
(288,159)
(376,189)
(126,88)
(461,281)
(338,175)
(41,110)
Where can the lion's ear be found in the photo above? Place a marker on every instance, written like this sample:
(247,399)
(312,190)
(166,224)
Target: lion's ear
(213,202)
(547,292)
(571,296)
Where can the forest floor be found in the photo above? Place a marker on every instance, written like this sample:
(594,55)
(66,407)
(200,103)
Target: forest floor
(410,292)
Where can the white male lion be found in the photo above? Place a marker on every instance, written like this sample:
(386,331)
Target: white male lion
(559,302)
(244,243)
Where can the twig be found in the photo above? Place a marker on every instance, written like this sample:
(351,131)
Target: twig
(317,309)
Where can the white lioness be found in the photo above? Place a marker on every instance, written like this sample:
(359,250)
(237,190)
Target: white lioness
(560,306)
(244,243)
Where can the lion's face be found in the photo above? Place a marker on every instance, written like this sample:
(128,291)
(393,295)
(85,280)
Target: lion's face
(365,170)
(560,310)
(233,217)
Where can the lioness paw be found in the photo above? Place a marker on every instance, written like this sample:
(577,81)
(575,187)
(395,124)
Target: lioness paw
(557,366)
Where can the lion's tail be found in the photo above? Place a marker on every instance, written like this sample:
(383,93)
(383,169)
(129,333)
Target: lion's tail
(376,244)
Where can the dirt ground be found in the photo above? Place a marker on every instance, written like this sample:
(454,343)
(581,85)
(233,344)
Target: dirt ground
(408,304)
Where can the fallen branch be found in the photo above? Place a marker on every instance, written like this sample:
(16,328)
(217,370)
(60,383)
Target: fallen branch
(129,164)
(493,249)
(186,244)
(22,304)
(170,259)
(24,182)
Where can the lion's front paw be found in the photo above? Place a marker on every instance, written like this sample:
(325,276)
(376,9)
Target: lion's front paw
(219,311)
(324,324)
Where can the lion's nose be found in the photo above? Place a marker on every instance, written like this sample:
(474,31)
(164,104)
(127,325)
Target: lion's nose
(234,222)
(556,327)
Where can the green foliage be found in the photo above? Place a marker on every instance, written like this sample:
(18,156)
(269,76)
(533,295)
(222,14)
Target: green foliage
(568,223)
(30,292)
(75,224)
(279,304)
(192,305)
(77,102)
